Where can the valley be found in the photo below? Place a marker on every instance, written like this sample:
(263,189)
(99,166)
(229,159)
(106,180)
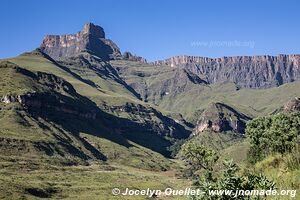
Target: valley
(79,118)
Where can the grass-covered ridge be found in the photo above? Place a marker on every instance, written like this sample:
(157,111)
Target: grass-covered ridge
(60,123)
(117,120)
(63,122)
(173,90)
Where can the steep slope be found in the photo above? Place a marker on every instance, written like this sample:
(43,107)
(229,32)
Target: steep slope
(245,71)
(102,74)
(219,117)
(62,126)
(90,39)
(152,83)
(122,112)
(156,83)
(56,144)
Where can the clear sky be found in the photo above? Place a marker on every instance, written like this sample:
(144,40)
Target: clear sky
(157,29)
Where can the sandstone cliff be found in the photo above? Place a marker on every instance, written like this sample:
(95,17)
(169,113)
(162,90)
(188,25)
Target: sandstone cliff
(90,39)
(128,56)
(219,117)
(245,71)
(293,105)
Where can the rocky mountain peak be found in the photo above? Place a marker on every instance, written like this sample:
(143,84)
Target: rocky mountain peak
(95,30)
(129,56)
(90,39)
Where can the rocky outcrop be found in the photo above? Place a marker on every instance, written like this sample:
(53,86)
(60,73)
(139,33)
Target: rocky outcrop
(42,102)
(293,105)
(151,119)
(245,71)
(90,39)
(128,56)
(219,117)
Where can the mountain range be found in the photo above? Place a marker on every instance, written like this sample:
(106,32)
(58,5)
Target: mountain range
(77,99)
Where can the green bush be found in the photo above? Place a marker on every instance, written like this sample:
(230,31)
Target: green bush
(232,179)
(274,134)
(198,157)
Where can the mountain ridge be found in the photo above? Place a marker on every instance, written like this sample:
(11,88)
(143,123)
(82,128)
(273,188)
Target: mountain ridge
(91,39)
(263,71)
(245,71)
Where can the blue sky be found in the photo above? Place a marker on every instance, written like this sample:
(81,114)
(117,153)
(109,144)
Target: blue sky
(159,29)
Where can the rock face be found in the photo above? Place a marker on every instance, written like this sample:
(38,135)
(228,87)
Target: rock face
(90,39)
(245,71)
(128,56)
(165,126)
(219,117)
(46,101)
(292,105)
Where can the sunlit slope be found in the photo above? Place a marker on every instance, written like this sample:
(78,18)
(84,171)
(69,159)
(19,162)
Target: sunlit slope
(178,90)
(106,90)
(44,120)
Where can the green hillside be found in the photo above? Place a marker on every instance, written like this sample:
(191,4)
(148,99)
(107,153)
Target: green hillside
(176,90)
(48,128)
(113,121)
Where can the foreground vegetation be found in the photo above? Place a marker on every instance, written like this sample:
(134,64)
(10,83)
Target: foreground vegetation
(27,181)
(272,162)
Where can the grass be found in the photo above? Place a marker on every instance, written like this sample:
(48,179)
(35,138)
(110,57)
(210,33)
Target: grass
(66,137)
(238,152)
(28,173)
(15,83)
(37,62)
(71,172)
(80,182)
(284,170)
(252,102)
(145,77)
(23,136)
(228,145)
(217,141)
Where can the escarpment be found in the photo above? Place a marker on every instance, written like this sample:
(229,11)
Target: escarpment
(245,71)
(90,39)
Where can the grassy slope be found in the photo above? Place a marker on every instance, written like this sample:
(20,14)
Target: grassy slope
(251,102)
(196,97)
(81,182)
(282,169)
(248,101)
(36,62)
(109,92)
(14,121)
(20,131)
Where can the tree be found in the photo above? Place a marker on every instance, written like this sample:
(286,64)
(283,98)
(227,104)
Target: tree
(273,134)
(256,130)
(198,157)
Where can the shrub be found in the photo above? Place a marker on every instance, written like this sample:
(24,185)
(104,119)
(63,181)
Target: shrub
(273,134)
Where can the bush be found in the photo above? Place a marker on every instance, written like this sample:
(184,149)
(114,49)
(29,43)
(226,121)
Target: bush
(232,179)
(274,134)
(197,157)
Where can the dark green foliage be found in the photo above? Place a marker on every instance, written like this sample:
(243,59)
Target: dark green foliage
(199,157)
(175,148)
(273,134)
(232,180)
